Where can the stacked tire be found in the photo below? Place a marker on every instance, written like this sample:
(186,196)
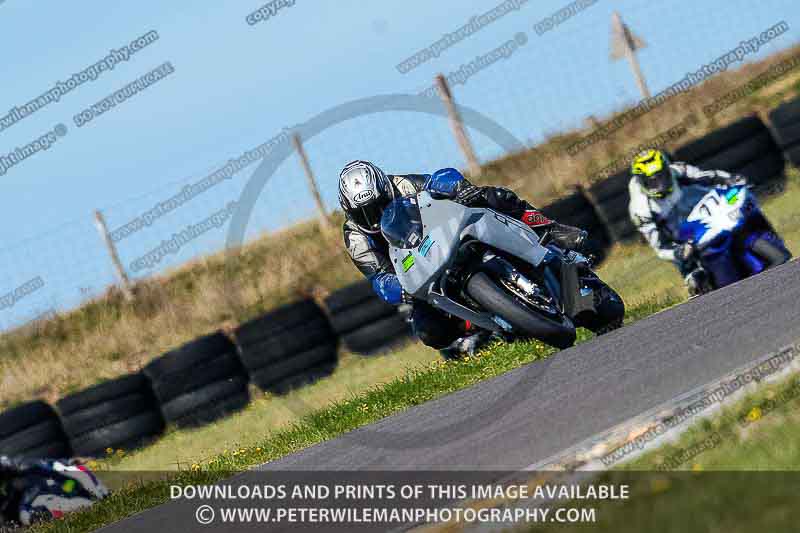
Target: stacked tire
(575,210)
(200,382)
(33,431)
(288,347)
(366,324)
(744,147)
(117,414)
(612,197)
(785,120)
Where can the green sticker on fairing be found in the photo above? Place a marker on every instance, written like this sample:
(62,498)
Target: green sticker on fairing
(408,262)
(68,486)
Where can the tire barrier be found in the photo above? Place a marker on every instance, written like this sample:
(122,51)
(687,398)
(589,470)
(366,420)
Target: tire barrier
(612,197)
(199,382)
(117,414)
(32,431)
(366,324)
(785,121)
(576,210)
(745,147)
(289,347)
(207,379)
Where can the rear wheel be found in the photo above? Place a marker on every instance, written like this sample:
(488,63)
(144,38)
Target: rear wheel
(513,310)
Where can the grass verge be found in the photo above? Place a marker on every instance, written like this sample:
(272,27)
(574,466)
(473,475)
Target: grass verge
(415,387)
(632,269)
(734,472)
(108,336)
(648,284)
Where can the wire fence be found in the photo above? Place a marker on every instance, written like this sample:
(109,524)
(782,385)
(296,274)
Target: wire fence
(186,218)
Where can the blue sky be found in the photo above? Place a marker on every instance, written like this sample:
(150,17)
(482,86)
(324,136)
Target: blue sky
(236,85)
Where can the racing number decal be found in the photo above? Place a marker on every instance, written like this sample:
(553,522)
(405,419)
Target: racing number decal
(711,199)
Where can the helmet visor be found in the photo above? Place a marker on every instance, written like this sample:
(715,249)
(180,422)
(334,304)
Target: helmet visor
(369,216)
(659,184)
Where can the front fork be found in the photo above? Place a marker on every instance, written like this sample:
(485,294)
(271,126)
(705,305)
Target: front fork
(725,268)
(563,294)
(504,270)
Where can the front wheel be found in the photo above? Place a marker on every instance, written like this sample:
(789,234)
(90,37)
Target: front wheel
(513,310)
(772,254)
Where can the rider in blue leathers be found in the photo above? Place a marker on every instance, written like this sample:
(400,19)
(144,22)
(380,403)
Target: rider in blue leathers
(37,490)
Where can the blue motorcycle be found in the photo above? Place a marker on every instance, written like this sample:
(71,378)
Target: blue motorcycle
(730,237)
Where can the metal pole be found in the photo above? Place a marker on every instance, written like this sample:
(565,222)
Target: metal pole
(458,126)
(122,276)
(324,221)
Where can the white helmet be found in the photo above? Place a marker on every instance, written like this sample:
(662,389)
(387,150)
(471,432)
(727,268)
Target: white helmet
(364,192)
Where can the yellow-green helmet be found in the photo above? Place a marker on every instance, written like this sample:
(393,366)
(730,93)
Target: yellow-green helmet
(651,169)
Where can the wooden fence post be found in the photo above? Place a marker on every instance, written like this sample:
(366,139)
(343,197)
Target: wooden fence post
(324,221)
(122,276)
(458,126)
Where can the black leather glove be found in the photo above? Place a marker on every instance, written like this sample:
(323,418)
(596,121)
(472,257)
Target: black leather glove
(735,180)
(467,193)
(568,237)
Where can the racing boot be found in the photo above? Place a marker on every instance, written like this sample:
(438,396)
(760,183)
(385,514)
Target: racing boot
(469,344)
(697,282)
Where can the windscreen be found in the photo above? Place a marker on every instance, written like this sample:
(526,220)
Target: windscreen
(401,223)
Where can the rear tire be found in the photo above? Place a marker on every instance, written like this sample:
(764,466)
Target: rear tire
(526,321)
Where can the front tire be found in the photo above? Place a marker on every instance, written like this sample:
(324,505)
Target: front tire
(513,310)
(770,252)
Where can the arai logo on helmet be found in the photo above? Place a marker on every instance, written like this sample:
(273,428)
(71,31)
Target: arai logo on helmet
(362,197)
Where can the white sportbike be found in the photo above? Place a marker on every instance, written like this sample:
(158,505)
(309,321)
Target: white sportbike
(495,271)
